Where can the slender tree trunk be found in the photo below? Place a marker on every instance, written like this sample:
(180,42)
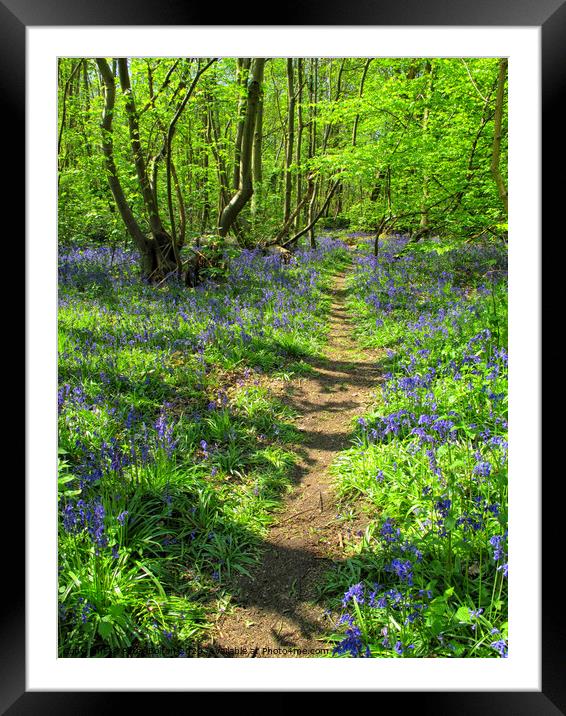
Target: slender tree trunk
(67,92)
(166,249)
(313,186)
(300,128)
(146,248)
(425,221)
(242,71)
(285,228)
(290,139)
(257,146)
(329,127)
(313,99)
(313,183)
(167,152)
(216,147)
(487,116)
(181,205)
(245,187)
(498,120)
(86,90)
(314,218)
(360,95)
(205,164)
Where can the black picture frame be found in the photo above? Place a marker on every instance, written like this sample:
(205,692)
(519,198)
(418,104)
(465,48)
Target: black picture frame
(550,16)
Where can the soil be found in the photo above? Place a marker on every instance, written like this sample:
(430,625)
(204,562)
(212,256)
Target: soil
(275,613)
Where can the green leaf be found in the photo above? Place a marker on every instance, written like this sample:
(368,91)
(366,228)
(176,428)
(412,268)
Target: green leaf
(463,615)
(436,626)
(117,610)
(438,606)
(449,523)
(105,629)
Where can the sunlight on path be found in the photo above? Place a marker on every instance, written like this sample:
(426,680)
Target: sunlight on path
(274,613)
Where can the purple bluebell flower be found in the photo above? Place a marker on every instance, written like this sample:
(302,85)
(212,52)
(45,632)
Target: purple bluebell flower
(501,647)
(351,644)
(483,469)
(354,593)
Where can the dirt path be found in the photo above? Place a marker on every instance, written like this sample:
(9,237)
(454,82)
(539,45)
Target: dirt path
(276,610)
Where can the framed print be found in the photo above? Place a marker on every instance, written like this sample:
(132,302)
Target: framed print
(50,666)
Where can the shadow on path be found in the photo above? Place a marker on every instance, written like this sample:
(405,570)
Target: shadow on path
(276,608)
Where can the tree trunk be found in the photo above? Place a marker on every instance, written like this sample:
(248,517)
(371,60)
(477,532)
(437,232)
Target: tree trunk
(146,248)
(329,127)
(498,119)
(360,95)
(290,139)
(313,187)
(245,187)
(242,71)
(257,145)
(487,116)
(424,222)
(285,228)
(175,239)
(313,99)
(205,183)
(300,128)
(166,251)
(313,219)
(215,145)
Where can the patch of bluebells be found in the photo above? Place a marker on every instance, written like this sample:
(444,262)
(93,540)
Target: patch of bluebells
(164,434)
(107,317)
(355,593)
(444,405)
(501,648)
(499,546)
(86,610)
(352,644)
(127,350)
(86,516)
(374,603)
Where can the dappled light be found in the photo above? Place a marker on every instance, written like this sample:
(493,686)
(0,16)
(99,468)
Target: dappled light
(282,358)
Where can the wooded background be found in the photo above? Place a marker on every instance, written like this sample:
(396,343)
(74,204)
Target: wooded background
(162,152)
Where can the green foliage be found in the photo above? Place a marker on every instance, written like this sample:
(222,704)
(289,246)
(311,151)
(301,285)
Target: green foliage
(428,464)
(422,150)
(174,453)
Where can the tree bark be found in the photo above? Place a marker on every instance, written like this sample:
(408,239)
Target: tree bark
(360,95)
(166,250)
(290,139)
(329,127)
(257,145)
(487,116)
(242,71)
(498,120)
(300,128)
(213,136)
(285,228)
(313,187)
(425,219)
(167,150)
(245,186)
(66,91)
(313,219)
(145,247)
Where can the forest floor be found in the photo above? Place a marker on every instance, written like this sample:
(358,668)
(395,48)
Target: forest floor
(275,612)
